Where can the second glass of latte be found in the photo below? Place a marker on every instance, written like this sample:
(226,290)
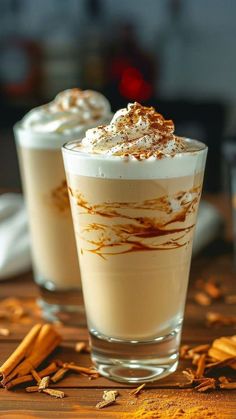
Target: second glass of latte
(134,189)
(39,137)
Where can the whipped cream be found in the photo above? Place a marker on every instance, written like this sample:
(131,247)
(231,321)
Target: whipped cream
(137,131)
(71,112)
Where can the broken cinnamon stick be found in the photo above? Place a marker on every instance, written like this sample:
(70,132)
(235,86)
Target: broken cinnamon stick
(137,390)
(202,299)
(59,375)
(228,386)
(54,393)
(44,383)
(35,376)
(207,384)
(27,378)
(201,366)
(77,368)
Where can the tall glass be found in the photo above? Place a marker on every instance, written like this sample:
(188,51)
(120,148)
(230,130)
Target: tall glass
(134,223)
(55,261)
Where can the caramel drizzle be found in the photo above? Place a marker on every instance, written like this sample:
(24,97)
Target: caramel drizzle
(59,198)
(110,238)
(131,239)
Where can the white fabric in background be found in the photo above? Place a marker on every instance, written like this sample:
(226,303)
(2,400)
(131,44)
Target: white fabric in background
(209,226)
(15,256)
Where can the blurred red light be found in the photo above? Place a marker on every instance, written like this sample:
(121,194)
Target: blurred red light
(132,85)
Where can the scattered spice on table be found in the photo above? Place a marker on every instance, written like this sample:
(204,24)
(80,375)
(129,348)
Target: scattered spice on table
(4,331)
(109,398)
(54,393)
(202,299)
(15,310)
(153,405)
(37,345)
(208,291)
(82,347)
(211,360)
(137,390)
(230,299)
(217,319)
(44,383)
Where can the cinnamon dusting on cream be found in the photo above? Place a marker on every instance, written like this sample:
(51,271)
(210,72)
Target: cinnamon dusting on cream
(71,111)
(137,131)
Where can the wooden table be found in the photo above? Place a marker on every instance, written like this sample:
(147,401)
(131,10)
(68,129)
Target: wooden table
(82,394)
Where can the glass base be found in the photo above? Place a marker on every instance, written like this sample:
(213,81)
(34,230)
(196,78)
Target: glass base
(133,361)
(60,305)
(68,314)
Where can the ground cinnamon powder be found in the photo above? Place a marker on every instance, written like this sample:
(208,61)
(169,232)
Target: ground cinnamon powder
(165,407)
(146,412)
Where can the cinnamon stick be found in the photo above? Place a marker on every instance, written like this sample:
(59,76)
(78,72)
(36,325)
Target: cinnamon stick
(54,393)
(228,386)
(18,355)
(46,341)
(137,390)
(201,366)
(48,370)
(27,378)
(199,349)
(77,368)
(227,362)
(19,380)
(226,345)
(207,384)
(59,375)
(35,376)
(223,349)
(217,354)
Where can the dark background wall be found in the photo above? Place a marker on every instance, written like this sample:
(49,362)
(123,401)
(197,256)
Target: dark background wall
(178,55)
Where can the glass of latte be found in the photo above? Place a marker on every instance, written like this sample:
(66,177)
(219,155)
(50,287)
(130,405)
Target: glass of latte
(39,137)
(134,189)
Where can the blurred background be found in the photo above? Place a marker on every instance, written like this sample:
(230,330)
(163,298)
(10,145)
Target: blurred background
(178,55)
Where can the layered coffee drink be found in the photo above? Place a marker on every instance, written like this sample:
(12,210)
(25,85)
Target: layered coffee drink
(40,136)
(134,188)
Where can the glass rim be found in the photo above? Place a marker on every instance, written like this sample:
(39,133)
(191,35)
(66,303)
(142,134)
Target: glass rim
(202,147)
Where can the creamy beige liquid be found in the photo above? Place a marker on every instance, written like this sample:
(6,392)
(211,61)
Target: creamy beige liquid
(53,243)
(134,239)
